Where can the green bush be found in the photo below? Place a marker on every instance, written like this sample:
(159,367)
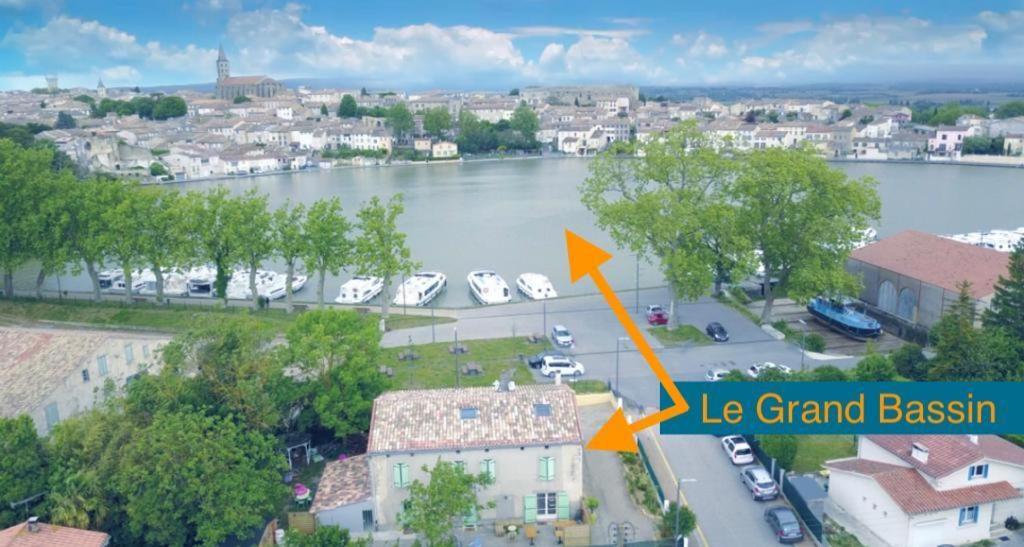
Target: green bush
(781,447)
(814,342)
(783,327)
(687,521)
(910,362)
(874,368)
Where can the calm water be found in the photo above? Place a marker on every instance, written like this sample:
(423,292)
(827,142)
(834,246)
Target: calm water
(509,216)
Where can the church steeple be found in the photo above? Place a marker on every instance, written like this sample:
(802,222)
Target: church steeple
(223,68)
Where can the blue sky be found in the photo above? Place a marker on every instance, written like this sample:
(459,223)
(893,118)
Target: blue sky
(499,44)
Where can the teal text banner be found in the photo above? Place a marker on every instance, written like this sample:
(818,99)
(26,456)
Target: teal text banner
(725,408)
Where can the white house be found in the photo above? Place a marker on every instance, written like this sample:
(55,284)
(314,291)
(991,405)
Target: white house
(927,490)
(51,374)
(444,149)
(948,142)
(527,438)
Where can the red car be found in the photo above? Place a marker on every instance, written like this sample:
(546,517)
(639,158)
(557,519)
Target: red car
(656,315)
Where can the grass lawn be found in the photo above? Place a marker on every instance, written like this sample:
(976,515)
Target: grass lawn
(175,318)
(436,366)
(682,334)
(816,449)
(589,386)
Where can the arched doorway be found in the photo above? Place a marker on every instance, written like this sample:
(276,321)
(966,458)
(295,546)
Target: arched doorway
(887,297)
(907,306)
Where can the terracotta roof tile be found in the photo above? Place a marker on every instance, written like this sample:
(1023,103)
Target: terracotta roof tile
(51,535)
(950,453)
(936,260)
(342,483)
(915,495)
(426,420)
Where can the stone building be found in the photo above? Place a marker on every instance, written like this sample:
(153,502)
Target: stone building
(229,87)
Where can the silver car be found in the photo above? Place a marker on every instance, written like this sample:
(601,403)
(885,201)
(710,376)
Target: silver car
(759,482)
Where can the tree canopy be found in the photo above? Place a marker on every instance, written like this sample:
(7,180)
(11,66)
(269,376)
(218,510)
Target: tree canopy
(348,107)
(437,121)
(433,506)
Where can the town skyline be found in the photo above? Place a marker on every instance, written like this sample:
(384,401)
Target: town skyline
(490,46)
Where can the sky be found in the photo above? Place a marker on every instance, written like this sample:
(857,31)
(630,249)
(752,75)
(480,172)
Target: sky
(492,45)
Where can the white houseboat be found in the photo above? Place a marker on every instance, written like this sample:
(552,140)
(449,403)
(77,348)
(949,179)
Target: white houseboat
(420,289)
(488,287)
(360,290)
(535,286)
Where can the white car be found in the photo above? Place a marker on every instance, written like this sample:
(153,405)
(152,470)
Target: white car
(555,363)
(756,369)
(715,374)
(736,447)
(562,337)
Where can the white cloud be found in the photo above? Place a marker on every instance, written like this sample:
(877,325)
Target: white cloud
(120,75)
(548,31)
(777,29)
(1002,22)
(552,53)
(708,45)
(597,57)
(69,44)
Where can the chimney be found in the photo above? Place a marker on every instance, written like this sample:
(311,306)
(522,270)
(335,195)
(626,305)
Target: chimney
(973,439)
(33,524)
(919,452)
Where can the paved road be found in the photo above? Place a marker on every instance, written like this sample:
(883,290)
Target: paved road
(726,514)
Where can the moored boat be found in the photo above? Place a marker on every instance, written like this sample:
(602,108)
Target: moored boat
(535,286)
(420,288)
(487,287)
(841,317)
(360,290)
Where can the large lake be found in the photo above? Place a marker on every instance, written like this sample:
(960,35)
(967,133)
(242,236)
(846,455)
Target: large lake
(509,215)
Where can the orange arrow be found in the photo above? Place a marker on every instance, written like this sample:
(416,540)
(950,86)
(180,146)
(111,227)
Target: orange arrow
(617,434)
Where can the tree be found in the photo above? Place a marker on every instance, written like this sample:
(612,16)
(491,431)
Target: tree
(328,247)
(437,121)
(1007,308)
(380,248)
(64,121)
(828,373)
(400,120)
(22,464)
(289,242)
(143,106)
(323,111)
(337,351)
(230,479)
(215,219)
(169,107)
(514,92)
(957,343)
(51,225)
(671,204)
(474,135)
(323,536)
(781,447)
(23,172)
(679,520)
(874,368)
(433,507)
(910,362)
(241,99)
(252,236)
(89,235)
(846,114)
(1010,109)
(348,107)
(122,239)
(524,120)
(86,99)
(164,233)
(804,217)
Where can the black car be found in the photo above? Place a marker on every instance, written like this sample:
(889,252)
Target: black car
(717,332)
(535,361)
(784,524)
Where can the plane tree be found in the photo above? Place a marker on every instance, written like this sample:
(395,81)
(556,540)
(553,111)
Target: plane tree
(380,249)
(328,245)
(252,236)
(287,228)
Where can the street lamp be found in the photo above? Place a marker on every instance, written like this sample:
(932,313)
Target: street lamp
(458,379)
(637,310)
(679,503)
(618,344)
(803,340)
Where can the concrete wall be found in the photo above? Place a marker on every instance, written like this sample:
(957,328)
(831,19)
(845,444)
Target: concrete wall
(516,471)
(940,528)
(865,501)
(347,516)
(77,395)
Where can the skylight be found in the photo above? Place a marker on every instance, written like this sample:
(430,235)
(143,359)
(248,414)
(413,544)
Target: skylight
(468,413)
(542,409)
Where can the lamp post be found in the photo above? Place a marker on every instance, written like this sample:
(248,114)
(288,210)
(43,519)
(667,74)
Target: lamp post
(803,340)
(679,504)
(618,344)
(637,310)
(458,379)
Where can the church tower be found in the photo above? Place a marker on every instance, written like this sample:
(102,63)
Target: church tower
(223,71)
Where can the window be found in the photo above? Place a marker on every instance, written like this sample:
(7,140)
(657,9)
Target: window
(976,471)
(145,350)
(542,409)
(487,466)
(468,413)
(129,353)
(52,415)
(101,363)
(968,515)
(85,375)
(460,465)
(547,504)
(401,475)
(546,470)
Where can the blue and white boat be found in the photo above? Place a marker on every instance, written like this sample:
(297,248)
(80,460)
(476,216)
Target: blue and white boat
(840,316)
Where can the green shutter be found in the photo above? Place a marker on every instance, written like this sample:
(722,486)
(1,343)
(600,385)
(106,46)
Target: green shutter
(401,475)
(546,471)
(563,505)
(529,508)
(471,519)
(487,466)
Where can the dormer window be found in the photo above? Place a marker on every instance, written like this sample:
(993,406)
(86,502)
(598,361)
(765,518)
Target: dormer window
(977,471)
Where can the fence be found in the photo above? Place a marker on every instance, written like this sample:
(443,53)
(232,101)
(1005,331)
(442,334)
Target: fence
(797,498)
